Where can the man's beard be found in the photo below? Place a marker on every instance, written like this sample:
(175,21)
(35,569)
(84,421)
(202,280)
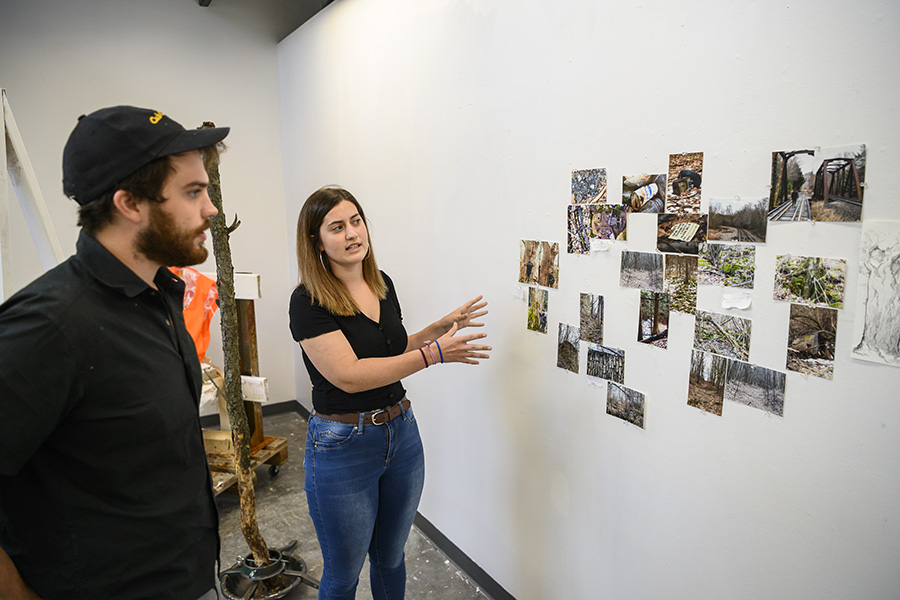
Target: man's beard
(163,242)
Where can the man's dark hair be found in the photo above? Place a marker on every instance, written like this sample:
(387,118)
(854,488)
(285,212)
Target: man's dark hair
(146,183)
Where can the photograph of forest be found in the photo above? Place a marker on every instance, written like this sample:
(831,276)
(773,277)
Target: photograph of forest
(681,282)
(606,363)
(653,322)
(684,177)
(706,385)
(537,309)
(588,186)
(755,386)
(809,280)
(625,403)
(591,318)
(539,263)
(839,184)
(727,265)
(811,337)
(607,221)
(722,334)
(876,330)
(642,270)
(738,220)
(644,193)
(567,348)
(680,233)
(579,236)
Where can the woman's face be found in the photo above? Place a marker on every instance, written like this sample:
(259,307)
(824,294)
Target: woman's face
(343,235)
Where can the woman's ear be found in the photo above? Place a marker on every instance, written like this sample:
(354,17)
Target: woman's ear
(128,206)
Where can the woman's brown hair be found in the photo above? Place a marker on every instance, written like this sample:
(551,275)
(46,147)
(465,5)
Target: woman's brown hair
(315,275)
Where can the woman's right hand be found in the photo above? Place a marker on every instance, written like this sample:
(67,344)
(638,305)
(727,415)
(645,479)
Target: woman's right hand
(460,348)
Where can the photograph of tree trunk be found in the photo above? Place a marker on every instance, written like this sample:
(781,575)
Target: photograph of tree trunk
(809,280)
(738,220)
(653,322)
(539,263)
(579,235)
(706,386)
(606,363)
(588,186)
(681,282)
(642,270)
(755,386)
(567,348)
(680,233)
(684,177)
(876,331)
(625,403)
(592,318)
(727,265)
(537,309)
(722,334)
(811,337)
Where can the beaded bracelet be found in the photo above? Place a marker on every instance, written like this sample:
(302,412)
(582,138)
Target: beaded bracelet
(423,358)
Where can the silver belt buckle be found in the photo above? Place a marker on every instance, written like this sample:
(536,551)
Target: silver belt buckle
(375,414)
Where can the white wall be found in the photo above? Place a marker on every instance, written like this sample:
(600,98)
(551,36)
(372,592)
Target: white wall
(59,60)
(457,124)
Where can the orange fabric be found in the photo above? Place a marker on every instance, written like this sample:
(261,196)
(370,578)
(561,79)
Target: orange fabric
(200,295)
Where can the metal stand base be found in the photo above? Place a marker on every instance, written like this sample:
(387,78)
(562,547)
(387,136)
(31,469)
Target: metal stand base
(246,581)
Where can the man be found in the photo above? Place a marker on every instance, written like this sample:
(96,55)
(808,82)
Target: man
(104,486)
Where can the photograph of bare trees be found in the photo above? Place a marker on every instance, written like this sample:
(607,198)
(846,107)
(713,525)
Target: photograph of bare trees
(567,348)
(811,336)
(592,318)
(727,265)
(706,386)
(810,280)
(642,270)
(606,363)
(653,322)
(755,386)
(644,193)
(839,183)
(607,221)
(579,235)
(876,336)
(680,233)
(685,178)
(722,334)
(625,403)
(738,220)
(537,309)
(791,185)
(681,282)
(588,186)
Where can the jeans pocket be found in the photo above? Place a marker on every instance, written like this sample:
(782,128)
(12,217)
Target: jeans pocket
(329,435)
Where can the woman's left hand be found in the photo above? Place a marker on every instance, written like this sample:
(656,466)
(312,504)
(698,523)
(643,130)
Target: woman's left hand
(465,315)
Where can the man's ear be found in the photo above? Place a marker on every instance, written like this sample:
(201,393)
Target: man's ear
(129,206)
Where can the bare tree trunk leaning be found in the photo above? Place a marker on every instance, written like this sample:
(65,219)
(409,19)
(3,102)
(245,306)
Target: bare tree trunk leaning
(240,429)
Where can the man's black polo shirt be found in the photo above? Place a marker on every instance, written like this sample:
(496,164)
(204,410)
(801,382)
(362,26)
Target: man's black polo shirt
(104,485)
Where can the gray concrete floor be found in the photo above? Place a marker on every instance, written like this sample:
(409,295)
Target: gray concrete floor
(283,516)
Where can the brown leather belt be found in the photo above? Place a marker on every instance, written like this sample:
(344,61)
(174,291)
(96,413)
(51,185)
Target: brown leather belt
(375,417)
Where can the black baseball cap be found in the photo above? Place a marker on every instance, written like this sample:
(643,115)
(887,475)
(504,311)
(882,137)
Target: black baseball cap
(110,144)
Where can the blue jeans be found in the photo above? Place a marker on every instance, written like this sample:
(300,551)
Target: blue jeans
(363,484)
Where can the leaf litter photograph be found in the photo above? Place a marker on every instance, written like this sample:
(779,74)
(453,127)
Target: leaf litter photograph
(681,282)
(755,386)
(706,384)
(642,270)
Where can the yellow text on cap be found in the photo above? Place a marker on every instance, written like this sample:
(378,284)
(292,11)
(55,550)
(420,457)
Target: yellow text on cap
(155,117)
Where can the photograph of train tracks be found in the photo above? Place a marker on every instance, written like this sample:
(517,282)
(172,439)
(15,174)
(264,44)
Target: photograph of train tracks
(738,220)
(810,280)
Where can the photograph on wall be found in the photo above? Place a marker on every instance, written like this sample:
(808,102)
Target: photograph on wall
(625,403)
(588,186)
(528,261)
(604,362)
(591,318)
(642,270)
(539,263)
(537,309)
(680,233)
(791,184)
(755,386)
(607,221)
(810,280)
(706,384)
(839,183)
(738,220)
(579,236)
(653,322)
(727,265)
(812,331)
(876,329)
(567,348)
(681,282)
(645,193)
(684,179)
(722,334)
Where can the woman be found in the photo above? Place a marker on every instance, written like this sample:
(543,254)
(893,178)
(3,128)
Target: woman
(364,462)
